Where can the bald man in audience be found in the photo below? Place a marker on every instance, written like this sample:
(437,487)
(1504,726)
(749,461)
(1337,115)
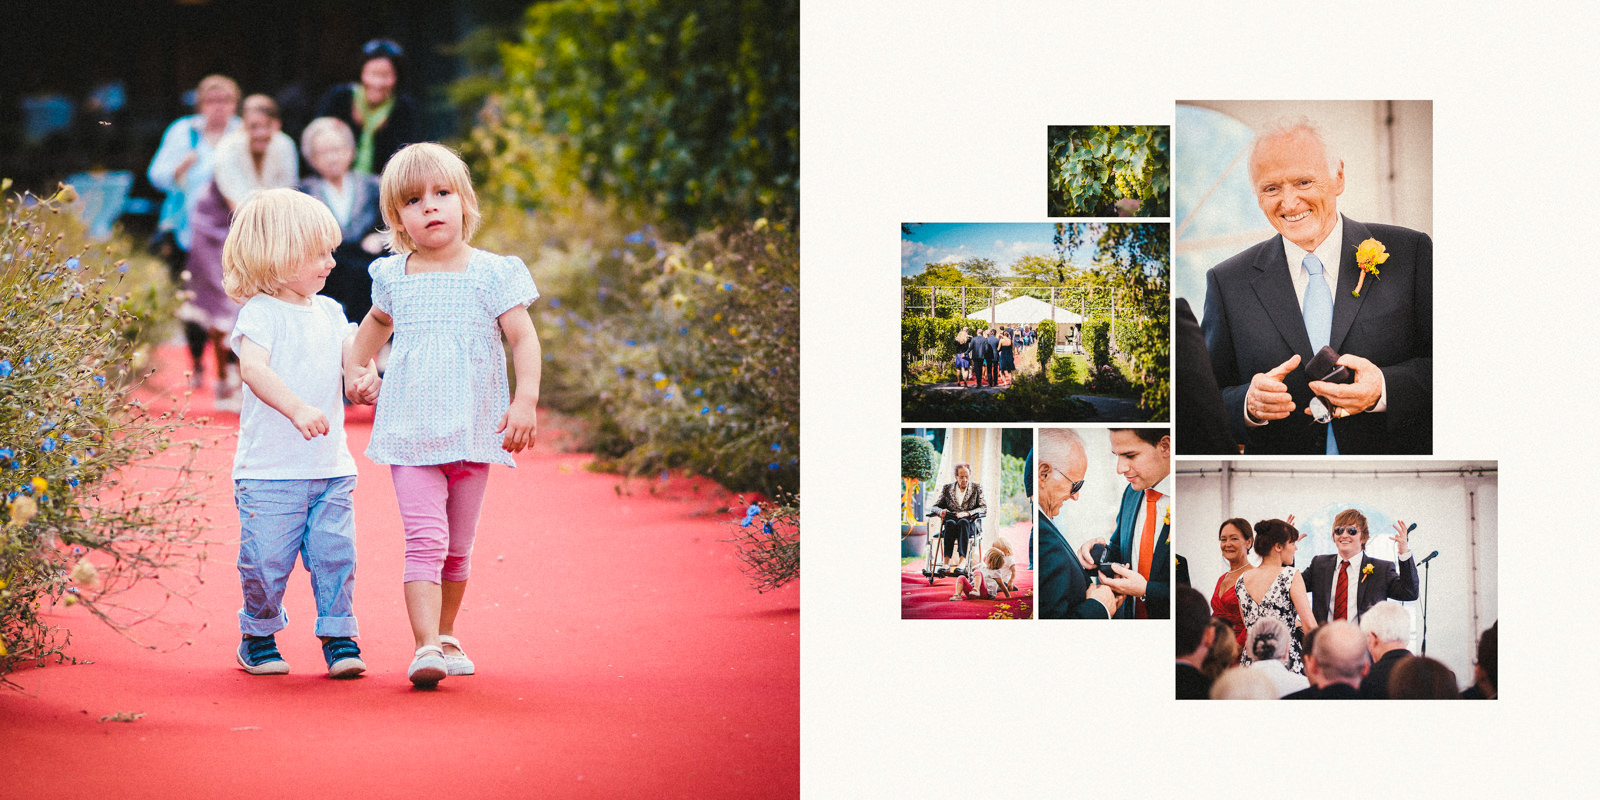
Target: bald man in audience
(1341,656)
(1387,627)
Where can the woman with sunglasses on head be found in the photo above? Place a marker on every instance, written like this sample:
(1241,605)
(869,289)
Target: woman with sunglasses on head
(382,119)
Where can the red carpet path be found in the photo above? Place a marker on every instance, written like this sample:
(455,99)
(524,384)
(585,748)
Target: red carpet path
(620,653)
(918,600)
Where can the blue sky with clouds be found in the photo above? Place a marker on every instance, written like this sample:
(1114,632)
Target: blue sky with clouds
(1002,242)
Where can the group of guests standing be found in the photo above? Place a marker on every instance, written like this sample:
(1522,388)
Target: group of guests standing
(990,354)
(209,162)
(1334,632)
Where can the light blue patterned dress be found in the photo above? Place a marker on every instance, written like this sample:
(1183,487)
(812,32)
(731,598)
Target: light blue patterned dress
(444,388)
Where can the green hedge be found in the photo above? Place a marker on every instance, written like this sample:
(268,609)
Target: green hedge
(1046,344)
(1097,341)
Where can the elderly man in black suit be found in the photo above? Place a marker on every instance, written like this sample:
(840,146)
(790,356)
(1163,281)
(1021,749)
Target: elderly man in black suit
(1387,627)
(1271,308)
(1064,590)
(1345,584)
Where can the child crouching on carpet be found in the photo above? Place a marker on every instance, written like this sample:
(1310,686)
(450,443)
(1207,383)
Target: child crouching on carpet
(987,579)
(1008,567)
(446,412)
(292,472)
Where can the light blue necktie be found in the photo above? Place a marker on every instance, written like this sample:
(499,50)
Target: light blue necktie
(1319,319)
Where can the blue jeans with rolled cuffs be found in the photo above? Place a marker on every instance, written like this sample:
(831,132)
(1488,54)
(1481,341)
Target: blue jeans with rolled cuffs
(279,521)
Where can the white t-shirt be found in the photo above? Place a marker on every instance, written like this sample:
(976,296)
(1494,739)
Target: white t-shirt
(305,348)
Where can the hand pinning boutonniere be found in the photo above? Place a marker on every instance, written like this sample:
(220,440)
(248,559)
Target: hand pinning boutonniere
(1365,571)
(1369,254)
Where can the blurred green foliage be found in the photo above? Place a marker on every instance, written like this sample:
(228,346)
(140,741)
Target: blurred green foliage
(688,113)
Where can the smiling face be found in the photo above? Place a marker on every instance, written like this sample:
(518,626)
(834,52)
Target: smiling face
(1234,544)
(1294,187)
(433,216)
(1141,463)
(307,279)
(377,80)
(331,156)
(260,128)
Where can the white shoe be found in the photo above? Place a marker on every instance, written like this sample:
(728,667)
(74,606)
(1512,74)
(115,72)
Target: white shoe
(427,667)
(457,664)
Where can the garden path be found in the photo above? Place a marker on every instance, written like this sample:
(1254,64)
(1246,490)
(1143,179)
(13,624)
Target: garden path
(620,653)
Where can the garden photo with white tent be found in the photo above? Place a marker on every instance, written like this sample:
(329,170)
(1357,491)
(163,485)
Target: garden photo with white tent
(1041,322)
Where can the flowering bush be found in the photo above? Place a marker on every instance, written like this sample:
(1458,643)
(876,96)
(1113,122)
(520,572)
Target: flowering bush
(93,483)
(769,542)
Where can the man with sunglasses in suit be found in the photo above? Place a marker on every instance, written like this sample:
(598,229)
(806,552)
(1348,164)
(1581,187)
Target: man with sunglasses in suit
(1064,590)
(1345,584)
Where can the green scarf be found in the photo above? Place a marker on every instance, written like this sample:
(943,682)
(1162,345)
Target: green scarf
(371,120)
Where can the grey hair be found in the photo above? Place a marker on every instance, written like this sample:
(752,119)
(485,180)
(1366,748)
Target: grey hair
(1055,446)
(1272,635)
(1289,126)
(322,126)
(960,466)
(1389,621)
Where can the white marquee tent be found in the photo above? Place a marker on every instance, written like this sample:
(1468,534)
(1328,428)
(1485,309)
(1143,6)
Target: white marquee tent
(1025,311)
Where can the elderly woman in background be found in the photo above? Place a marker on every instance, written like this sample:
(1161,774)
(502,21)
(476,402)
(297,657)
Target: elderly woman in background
(329,147)
(382,119)
(1268,642)
(959,504)
(257,156)
(1234,540)
(182,169)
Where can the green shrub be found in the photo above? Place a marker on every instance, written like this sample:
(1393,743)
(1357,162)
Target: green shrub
(1064,371)
(1030,398)
(1047,344)
(917,459)
(1097,341)
(691,111)
(768,540)
(97,495)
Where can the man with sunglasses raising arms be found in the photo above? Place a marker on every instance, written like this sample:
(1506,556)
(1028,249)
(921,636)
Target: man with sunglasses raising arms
(1345,584)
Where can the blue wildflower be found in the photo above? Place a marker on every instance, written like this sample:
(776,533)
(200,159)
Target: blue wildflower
(721,409)
(555,302)
(73,460)
(622,371)
(772,466)
(27,360)
(72,263)
(659,376)
(637,237)
(776,447)
(684,331)
(66,437)
(5,452)
(72,481)
(698,392)
(766,528)
(667,396)
(76,550)
(122,267)
(633,343)
(77,401)
(752,510)
(48,444)
(705,410)
(5,368)
(100,379)
(727,287)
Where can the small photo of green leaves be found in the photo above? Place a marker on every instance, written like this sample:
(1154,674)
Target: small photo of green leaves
(1110,171)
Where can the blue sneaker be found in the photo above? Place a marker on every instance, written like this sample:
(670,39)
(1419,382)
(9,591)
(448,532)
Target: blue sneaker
(259,656)
(343,657)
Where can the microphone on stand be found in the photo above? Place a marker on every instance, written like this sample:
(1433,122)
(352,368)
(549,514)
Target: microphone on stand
(1430,557)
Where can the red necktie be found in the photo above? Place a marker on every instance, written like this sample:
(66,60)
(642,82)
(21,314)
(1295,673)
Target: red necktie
(1147,544)
(1341,591)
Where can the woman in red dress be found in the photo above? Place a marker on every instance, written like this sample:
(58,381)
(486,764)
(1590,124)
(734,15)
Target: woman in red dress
(1234,539)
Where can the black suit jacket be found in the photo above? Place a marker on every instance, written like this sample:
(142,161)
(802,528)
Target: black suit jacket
(986,348)
(1192,683)
(1062,584)
(1333,691)
(1385,583)
(1253,323)
(1203,426)
(1375,686)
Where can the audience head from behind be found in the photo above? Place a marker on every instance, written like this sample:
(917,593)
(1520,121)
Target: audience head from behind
(1193,625)
(1487,670)
(1387,626)
(1422,678)
(1243,684)
(1224,652)
(1341,654)
(1268,640)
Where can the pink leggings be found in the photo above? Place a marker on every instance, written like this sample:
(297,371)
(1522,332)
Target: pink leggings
(439,506)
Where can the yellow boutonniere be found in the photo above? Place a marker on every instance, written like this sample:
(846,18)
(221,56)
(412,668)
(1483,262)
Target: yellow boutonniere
(1167,520)
(1365,571)
(1369,254)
